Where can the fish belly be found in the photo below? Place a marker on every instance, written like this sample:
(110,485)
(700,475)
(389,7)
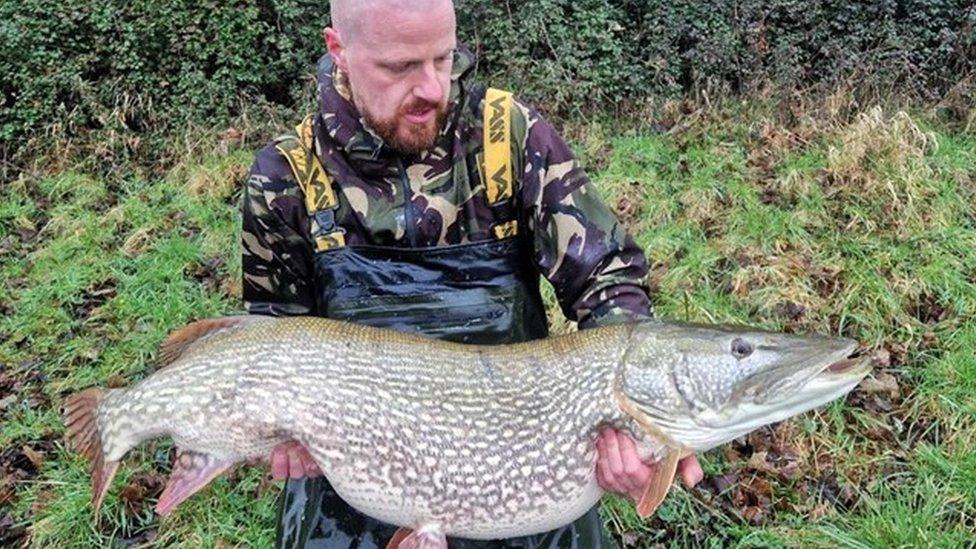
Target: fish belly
(468,514)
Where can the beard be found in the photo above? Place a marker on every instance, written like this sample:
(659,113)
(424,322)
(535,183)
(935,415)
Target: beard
(404,136)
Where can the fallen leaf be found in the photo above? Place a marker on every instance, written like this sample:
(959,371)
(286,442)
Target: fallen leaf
(142,486)
(761,488)
(820,511)
(739,497)
(790,471)
(630,539)
(232,135)
(723,483)
(731,454)
(881,358)
(848,496)
(42,500)
(757,462)
(115,381)
(881,383)
(6,401)
(753,514)
(6,495)
(35,457)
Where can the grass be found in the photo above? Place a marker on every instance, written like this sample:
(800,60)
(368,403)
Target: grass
(863,226)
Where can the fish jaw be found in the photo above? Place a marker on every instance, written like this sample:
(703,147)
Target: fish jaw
(702,386)
(736,421)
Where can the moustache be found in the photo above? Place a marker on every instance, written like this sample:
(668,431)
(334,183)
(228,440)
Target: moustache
(420,107)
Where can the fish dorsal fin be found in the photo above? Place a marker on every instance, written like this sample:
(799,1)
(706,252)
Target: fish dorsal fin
(178,342)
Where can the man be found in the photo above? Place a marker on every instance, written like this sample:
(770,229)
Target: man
(411,227)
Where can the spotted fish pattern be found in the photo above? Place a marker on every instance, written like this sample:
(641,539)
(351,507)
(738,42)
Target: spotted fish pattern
(481,442)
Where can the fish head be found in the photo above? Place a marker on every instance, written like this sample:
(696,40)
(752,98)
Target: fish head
(700,386)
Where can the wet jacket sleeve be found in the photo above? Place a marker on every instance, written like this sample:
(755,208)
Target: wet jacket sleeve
(596,268)
(277,254)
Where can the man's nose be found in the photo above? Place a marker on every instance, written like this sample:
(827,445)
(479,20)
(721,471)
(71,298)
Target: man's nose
(428,87)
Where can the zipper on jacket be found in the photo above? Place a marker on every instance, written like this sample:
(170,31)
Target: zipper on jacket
(409,216)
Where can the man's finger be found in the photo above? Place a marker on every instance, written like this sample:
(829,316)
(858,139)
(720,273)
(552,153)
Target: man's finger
(633,468)
(609,481)
(295,468)
(690,471)
(279,464)
(612,455)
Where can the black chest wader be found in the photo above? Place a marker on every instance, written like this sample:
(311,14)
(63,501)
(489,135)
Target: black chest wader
(484,292)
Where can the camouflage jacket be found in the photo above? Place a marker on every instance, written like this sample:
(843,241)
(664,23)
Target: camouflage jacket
(595,267)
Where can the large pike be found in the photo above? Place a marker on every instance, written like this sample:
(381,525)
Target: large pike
(448,439)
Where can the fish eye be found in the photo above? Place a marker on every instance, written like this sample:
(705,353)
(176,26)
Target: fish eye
(741,348)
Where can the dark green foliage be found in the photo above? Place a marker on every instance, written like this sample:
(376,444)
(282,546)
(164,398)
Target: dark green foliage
(154,63)
(149,63)
(601,51)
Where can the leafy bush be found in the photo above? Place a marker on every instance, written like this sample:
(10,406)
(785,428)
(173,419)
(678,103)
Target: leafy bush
(598,51)
(153,63)
(148,63)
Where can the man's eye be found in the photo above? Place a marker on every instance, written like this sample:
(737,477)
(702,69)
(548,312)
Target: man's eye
(398,68)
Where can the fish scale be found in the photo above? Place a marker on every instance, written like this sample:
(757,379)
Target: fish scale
(434,465)
(481,442)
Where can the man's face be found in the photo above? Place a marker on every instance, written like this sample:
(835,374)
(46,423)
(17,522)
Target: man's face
(398,65)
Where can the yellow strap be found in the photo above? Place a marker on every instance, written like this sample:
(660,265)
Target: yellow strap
(330,241)
(308,170)
(313,181)
(506,230)
(498,145)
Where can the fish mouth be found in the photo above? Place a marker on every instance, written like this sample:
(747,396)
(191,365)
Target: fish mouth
(845,373)
(833,380)
(828,360)
(843,366)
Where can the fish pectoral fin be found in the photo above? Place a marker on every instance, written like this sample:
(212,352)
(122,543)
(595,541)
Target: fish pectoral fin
(426,537)
(659,484)
(191,472)
(398,537)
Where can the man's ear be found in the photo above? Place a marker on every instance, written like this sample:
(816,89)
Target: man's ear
(333,41)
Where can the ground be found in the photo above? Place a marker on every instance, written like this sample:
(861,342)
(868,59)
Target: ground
(854,223)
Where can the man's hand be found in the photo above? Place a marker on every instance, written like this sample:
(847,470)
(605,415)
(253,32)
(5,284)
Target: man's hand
(620,470)
(291,460)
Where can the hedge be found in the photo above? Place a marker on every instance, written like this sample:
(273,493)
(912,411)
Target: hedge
(151,63)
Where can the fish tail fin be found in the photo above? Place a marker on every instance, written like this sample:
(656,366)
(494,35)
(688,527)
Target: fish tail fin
(81,420)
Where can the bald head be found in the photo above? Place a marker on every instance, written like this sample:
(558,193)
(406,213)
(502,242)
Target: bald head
(397,57)
(352,17)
